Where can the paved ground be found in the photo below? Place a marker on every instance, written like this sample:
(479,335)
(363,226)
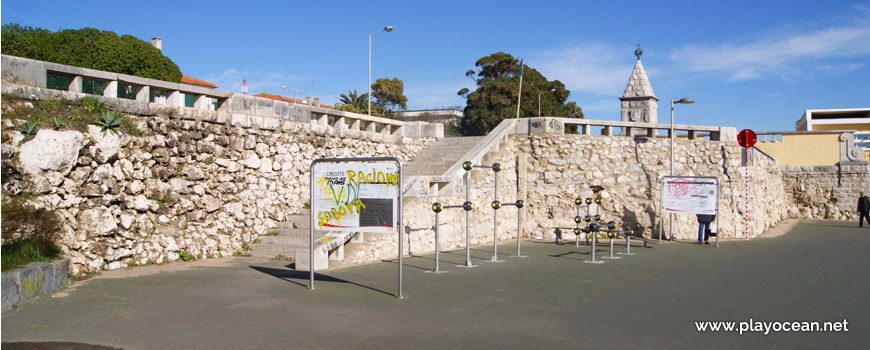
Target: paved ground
(817,271)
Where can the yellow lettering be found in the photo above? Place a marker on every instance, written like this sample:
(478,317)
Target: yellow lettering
(381,178)
(350,177)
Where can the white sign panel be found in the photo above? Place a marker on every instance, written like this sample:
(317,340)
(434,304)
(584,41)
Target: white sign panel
(690,195)
(356,196)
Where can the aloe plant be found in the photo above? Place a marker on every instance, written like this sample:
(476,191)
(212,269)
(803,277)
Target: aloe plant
(56,123)
(29,128)
(109,122)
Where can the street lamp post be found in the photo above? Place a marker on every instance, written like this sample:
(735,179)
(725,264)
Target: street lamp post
(539,100)
(294,91)
(684,100)
(386,29)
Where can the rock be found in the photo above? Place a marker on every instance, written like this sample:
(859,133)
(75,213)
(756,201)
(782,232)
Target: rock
(97,222)
(139,203)
(210,204)
(106,144)
(265,165)
(91,190)
(178,185)
(252,161)
(127,221)
(193,173)
(51,151)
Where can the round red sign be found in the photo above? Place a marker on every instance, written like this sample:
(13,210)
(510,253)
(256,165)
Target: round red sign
(746,138)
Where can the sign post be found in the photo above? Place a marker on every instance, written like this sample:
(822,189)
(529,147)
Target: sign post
(690,195)
(356,195)
(746,139)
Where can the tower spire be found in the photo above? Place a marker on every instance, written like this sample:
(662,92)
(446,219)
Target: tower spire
(639,102)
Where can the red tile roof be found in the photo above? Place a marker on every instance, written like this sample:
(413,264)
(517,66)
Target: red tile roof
(193,81)
(286,99)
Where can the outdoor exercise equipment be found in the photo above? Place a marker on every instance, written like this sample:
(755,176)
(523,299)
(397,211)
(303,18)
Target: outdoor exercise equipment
(496,205)
(437,207)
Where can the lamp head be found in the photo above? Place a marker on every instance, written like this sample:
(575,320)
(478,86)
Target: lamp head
(685,100)
(388,29)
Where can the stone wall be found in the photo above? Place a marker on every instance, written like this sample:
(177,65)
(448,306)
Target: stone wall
(204,188)
(185,187)
(625,172)
(826,192)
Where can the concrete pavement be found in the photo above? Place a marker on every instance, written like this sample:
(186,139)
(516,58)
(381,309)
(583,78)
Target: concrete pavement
(816,271)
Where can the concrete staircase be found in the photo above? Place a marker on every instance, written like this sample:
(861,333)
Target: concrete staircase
(291,234)
(435,160)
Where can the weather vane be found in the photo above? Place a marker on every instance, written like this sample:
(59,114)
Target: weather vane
(638,52)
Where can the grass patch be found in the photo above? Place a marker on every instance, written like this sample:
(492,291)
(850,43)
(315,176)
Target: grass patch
(184,256)
(29,234)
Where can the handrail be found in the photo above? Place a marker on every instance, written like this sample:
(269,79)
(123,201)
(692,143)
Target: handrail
(476,153)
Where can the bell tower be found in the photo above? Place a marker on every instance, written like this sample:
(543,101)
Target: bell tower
(639,103)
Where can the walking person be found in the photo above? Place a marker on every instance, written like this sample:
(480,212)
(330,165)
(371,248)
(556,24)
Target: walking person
(863,209)
(704,221)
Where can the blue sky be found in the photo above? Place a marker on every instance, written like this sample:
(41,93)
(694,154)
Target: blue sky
(747,64)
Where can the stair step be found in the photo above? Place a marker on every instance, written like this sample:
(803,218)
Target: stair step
(271,247)
(271,255)
(286,239)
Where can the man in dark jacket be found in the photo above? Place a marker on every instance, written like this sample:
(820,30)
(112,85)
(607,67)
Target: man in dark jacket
(863,209)
(704,221)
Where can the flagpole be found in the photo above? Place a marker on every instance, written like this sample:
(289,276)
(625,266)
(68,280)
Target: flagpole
(520,97)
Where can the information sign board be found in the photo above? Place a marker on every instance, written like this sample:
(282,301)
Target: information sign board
(690,195)
(359,196)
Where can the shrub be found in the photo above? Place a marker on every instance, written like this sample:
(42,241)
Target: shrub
(90,48)
(29,234)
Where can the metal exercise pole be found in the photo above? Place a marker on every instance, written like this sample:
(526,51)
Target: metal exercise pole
(437,245)
(496,167)
(627,244)
(593,228)
(577,220)
(588,205)
(467,206)
(519,205)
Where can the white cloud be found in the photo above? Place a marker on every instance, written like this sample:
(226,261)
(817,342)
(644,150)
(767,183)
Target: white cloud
(779,55)
(591,68)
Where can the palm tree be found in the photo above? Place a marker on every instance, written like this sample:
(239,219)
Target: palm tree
(353,101)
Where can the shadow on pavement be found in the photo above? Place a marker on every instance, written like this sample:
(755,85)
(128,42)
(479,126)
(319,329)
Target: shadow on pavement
(292,276)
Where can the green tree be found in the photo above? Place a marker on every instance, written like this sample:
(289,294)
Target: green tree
(389,94)
(90,48)
(495,99)
(353,102)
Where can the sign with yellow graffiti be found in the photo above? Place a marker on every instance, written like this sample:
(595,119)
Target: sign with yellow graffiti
(356,196)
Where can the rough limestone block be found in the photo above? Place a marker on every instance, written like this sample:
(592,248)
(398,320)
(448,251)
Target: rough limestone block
(11,288)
